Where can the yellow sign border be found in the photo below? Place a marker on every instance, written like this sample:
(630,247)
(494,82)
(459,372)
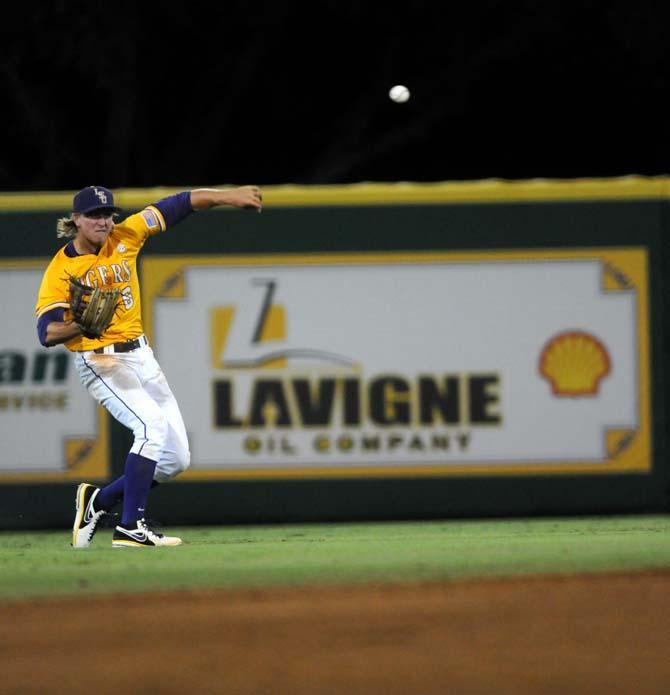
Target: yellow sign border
(403,193)
(624,269)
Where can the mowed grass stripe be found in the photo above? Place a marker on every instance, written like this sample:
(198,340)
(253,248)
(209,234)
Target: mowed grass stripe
(43,564)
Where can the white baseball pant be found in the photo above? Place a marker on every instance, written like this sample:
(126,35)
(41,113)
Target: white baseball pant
(133,388)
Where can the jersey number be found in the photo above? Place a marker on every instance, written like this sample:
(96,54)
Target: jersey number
(127,296)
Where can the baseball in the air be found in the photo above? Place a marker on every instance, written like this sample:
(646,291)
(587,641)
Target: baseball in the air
(399,94)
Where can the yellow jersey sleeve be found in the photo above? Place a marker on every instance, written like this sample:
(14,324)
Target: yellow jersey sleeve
(145,223)
(54,292)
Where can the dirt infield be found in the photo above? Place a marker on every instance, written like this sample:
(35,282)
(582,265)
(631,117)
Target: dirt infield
(589,634)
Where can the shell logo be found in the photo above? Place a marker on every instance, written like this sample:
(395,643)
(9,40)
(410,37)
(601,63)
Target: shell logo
(574,363)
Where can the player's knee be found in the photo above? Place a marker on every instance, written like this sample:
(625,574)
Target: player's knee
(172,463)
(184,460)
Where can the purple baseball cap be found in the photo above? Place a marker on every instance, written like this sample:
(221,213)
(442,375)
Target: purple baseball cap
(94,198)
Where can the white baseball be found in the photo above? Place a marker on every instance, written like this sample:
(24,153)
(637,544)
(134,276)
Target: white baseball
(399,93)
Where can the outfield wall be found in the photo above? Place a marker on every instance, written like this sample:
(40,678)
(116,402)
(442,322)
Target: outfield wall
(370,352)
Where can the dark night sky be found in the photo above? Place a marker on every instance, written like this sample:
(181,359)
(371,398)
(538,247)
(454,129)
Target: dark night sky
(144,94)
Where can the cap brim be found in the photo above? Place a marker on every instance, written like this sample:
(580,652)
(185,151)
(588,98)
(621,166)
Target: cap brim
(112,208)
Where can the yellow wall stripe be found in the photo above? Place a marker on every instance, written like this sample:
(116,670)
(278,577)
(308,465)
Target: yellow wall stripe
(484,191)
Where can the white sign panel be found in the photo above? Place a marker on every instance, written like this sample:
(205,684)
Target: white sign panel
(428,364)
(49,426)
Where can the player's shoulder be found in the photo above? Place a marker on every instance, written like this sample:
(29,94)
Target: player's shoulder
(61,257)
(59,268)
(147,221)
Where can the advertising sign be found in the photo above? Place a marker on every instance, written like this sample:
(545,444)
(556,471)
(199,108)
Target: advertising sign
(51,430)
(407,364)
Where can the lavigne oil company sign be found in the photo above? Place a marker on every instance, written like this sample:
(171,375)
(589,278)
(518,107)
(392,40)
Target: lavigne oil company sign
(480,363)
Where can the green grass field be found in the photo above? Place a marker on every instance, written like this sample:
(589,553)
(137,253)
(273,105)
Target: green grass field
(43,564)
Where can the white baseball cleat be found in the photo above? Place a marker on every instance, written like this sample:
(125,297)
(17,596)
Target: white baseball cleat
(142,536)
(86,517)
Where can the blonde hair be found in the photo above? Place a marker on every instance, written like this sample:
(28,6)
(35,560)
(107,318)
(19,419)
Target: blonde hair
(67,229)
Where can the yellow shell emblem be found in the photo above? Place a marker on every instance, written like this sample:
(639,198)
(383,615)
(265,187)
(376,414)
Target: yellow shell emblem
(574,363)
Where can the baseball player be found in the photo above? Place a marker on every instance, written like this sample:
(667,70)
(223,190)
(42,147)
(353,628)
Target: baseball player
(89,300)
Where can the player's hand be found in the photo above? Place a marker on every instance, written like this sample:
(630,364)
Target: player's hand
(248,197)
